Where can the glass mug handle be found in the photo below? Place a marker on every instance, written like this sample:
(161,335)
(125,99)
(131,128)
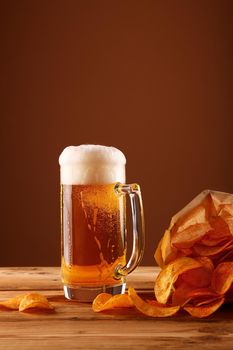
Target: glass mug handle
(133,190)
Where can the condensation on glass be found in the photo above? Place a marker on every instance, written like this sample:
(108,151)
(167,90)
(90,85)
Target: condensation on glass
(93,221)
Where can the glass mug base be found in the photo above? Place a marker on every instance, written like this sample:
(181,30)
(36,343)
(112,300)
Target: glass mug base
(88,293)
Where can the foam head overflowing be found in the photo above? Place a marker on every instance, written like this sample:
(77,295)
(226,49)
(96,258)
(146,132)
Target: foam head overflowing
(92,164)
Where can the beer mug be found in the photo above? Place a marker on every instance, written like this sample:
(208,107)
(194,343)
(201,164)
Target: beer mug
(93,222)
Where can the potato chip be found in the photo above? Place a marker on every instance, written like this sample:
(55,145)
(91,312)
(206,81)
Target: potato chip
(203,250)
(227,255)
(202,292)
(153,302)
(202,232)
(185,251)
(167,251)
(210,241)
(100,300)
(151,309)
(229,295)
(200,277)
(226,213)
(206,263)
(12,303)
(202,296)
(158,253)
(168,276)
(186,293)
(105,301)
(181,294)
(219,232)
(204,301)
(34,300)
(222,277)
(188,237)
(204,310)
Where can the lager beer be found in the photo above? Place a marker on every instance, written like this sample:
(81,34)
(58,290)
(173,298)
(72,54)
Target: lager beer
(93,234)
(93,219)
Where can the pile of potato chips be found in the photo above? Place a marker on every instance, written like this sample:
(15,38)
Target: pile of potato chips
(196,259)
(27,301)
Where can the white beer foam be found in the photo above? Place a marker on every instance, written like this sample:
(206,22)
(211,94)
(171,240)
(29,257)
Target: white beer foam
(92,164)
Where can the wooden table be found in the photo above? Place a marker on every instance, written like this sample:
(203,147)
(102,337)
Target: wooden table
(75,326)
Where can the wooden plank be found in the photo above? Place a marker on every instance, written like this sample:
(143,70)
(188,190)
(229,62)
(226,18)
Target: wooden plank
(30,278)
(48,278)
(75,311)
(133,332)
(117,342)
(74,325)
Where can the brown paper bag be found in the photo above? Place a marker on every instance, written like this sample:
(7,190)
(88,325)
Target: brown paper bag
(204,227)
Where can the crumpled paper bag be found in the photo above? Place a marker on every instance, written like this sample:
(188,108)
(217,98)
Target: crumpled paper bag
(204,227)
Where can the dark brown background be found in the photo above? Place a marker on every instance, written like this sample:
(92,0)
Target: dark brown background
(153,78)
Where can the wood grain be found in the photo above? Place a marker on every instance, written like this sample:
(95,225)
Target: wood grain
(74,325)
(41,278)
